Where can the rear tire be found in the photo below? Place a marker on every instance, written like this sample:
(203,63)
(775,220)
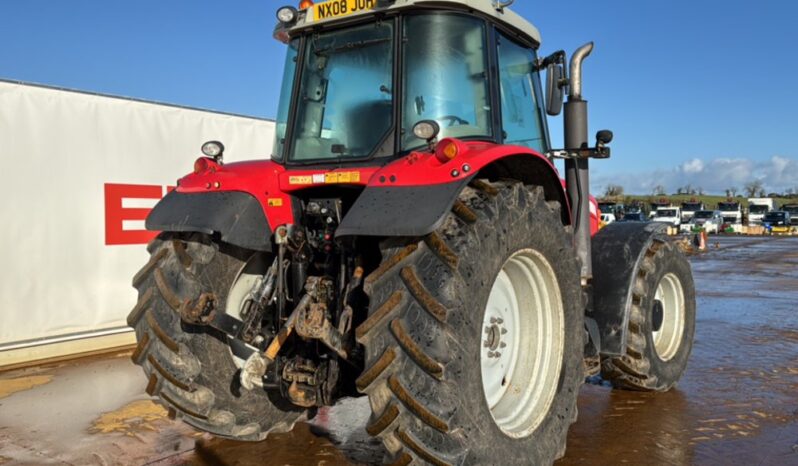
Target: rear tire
(191,368)
(661,323)
(425,334)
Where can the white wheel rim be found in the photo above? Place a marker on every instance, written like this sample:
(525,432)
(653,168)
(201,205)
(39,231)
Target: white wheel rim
(668,329)
(250,276)
(522,343)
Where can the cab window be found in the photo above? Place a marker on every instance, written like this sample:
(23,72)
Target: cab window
(519,85)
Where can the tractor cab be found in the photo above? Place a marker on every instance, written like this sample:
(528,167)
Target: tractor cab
(367,80)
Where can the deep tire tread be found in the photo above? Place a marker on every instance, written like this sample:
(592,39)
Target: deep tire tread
(375,370)
(181,408)
(155,259)
(381,423)
(166,291)
(421,450)
(633,370)
(430,365)
(407,336)
(441,249)
(418,409)
(378,316)
(141,348)
(167,348)
(422,295)
(160,333)
(159,368)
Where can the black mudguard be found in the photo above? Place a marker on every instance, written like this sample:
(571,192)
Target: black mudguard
(237,216)
(618,250)
(400,210)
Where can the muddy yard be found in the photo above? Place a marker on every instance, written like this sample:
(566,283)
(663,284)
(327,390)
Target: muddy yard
(736,404)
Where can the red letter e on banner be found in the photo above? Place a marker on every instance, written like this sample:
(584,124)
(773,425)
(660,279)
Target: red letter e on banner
(115,214)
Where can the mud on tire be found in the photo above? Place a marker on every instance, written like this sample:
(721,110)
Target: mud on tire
(650,363)
(189,368)
(424,332)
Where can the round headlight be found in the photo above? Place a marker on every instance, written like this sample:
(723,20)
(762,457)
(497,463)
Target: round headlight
(213,148)
(426,129)
(286,14)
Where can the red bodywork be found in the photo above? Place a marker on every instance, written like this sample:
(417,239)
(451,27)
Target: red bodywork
(270,183)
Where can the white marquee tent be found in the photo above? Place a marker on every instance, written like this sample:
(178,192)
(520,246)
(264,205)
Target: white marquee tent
(80,172)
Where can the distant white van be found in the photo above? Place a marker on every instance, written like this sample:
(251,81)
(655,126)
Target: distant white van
(670,215)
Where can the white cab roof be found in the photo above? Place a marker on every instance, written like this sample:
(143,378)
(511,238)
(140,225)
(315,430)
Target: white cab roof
(485,7)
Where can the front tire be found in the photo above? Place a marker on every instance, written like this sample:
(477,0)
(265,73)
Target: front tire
(192,369)
(435,312)
(661,323)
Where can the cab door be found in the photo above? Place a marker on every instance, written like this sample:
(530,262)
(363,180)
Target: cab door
(520,96)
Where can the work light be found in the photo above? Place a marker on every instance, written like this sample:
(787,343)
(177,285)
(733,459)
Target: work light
(426,129)
(213,149)
(286,14)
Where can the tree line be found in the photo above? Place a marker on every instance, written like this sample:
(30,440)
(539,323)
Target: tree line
(754,188)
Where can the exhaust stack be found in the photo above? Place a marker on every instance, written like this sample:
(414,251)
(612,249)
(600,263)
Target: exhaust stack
(576,169)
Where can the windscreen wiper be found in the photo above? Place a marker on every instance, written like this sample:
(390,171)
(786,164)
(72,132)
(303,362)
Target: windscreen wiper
(353,45)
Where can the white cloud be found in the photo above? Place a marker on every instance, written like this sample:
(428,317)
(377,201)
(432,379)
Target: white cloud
(693,166)
(713,176)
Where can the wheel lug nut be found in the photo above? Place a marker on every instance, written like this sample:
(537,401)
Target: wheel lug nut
(493,320)
(499,321)
(502,344)
(486,344)
(504,330)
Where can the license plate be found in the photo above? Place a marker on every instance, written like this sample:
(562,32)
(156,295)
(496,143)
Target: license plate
(339,8)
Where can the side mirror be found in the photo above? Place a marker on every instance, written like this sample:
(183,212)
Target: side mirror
(554,93)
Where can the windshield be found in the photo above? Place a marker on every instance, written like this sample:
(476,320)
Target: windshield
(339,100)
(691,206)
(345,98)
(666,213)
(445,71)
(775,216)
(703,214)
(728,206)
(758,209)
(793,209)
(607,208)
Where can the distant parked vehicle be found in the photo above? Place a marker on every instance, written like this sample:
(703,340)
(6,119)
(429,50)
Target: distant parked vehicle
(690,208)
(610,211)
(709,220)
(758,207)
(777,218)
(655,206)
(791,209)
(634,217)
(670,215)
(731,211)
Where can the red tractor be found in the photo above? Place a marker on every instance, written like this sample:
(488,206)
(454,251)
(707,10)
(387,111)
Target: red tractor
(410,240)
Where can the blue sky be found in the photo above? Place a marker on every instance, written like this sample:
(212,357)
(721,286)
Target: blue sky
(699,92)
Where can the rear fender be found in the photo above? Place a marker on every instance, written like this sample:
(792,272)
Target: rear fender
(241,202)
(617,253)
(411,196)
(236,216)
